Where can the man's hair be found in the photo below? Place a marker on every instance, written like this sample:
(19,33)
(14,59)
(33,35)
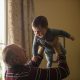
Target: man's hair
(9,57)
(12,55)
(40,21)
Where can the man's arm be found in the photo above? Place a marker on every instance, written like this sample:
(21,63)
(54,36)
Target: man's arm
(59,73)
(36,60)
(62,71)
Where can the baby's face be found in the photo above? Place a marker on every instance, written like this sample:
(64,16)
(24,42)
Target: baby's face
(40,32)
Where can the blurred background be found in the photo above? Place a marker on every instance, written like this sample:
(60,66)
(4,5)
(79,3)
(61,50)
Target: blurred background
(15,26)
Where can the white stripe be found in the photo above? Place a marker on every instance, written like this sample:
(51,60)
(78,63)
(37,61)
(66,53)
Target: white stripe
(49,74)
(16,76)
(37,73)
(57,73)
(22,74)
(63,69)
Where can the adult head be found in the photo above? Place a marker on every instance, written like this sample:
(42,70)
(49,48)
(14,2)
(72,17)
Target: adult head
(14,55)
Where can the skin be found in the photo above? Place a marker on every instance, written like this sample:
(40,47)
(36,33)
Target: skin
(40,32)
(18,52)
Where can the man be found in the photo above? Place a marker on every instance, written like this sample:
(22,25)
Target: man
(19,69)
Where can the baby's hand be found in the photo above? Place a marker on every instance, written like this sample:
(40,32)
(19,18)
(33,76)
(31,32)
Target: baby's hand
(72,38)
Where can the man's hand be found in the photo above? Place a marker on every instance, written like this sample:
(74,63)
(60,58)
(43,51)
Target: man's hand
(34,58)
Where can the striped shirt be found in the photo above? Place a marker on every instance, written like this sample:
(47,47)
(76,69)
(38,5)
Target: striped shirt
(32,72)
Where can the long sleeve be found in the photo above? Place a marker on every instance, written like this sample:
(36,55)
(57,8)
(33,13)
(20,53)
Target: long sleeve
(62,33)
(35,73)
(62,71)
(37,63)
(35,46)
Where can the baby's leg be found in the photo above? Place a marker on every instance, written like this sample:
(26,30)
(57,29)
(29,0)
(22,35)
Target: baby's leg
(58,47)
(62,49)
(49,59)
(41,50)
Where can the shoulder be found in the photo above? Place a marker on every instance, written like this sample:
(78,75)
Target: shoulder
(51,31)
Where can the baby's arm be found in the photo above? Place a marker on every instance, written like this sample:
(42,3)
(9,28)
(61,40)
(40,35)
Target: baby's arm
(72,38)
(35,47)
(61,33)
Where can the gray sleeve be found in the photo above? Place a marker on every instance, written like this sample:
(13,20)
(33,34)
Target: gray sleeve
(35,46)
(60,33)
(37,63)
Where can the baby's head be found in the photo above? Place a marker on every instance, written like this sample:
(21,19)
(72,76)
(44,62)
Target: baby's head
(14,55)
(40,26)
